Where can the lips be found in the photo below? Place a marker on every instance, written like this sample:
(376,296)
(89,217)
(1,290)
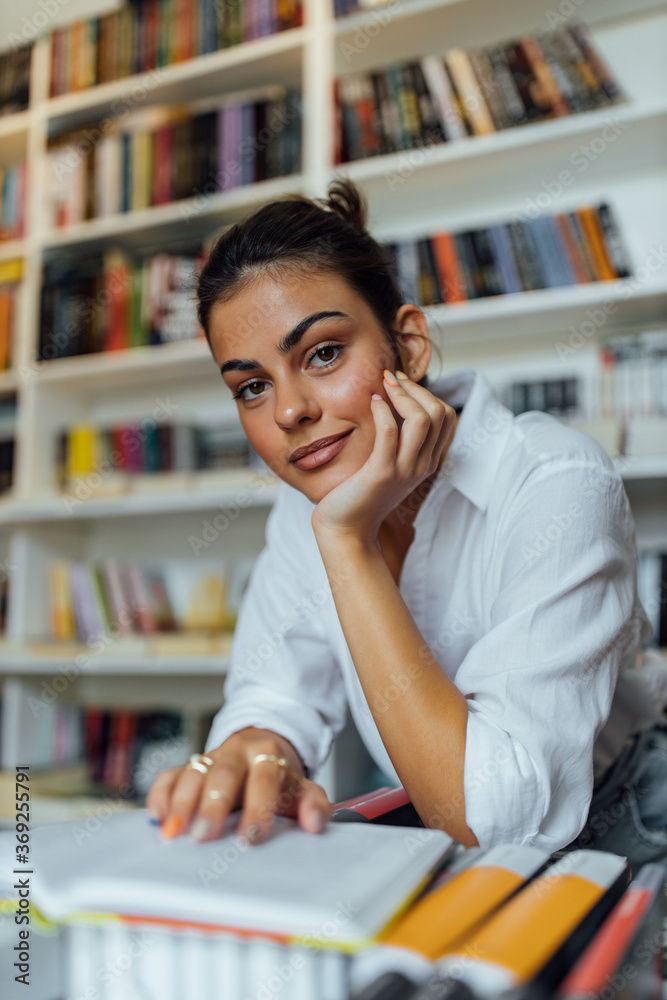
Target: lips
(307,449)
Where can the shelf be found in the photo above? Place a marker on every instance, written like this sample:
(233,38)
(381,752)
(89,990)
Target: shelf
(8,381)
(137,364)
(143,228)
(21,661)
(11,249)
(454,173)
(205,491)
(544,313)
(263,61)
(643,468)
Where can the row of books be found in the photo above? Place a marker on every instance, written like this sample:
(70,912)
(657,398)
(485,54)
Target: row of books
(116,597)
(147,34)
(116,301)
(652,586)
(634,376)
(13,201)
(15,79)
(83,450)
(559,397)
(439,98)
(376,912)
(163,153)
(118,745)
(519,256)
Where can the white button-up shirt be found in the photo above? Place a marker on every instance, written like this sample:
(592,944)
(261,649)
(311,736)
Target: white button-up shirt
(522,580)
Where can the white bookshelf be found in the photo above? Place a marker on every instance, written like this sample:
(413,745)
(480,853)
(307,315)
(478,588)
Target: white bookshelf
(459,184)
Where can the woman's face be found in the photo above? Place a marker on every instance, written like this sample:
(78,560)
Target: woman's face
(316,385)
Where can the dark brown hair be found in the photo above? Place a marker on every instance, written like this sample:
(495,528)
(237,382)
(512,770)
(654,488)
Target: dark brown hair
(296,235)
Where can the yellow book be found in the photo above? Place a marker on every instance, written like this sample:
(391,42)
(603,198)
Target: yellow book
(62,613)
(11,270)
(469,91)
(82,445)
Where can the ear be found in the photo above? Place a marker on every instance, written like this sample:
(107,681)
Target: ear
(414,341)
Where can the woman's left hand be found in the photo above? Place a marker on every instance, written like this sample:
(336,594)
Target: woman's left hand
(395,467)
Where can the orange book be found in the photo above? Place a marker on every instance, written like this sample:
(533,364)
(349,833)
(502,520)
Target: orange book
(450,275)
(6,316)
(578,262)
(550,91)
(446,915)
(556,914)
(595,244)
(77,81)
(118,282)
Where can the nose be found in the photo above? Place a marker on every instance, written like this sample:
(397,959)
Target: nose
(295,402)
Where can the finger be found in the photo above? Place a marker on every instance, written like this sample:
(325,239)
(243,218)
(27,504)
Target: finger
(158,800)
(221,793)
(184,798)
(314,808)
(263,788)
(418,416)
(443,423)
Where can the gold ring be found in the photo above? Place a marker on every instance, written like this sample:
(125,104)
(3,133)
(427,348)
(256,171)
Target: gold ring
(280,761)
(199,762)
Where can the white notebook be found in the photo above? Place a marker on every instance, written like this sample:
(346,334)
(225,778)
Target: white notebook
(338,888)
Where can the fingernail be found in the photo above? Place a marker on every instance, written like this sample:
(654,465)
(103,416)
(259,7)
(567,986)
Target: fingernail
(172,827)
(376,395)
(318,820)
(253,833)
(388,377)
(401,374)
(200,828)
(153,817)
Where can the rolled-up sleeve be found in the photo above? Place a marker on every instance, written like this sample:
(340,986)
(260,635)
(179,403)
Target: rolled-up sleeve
(563,617)
(283,675)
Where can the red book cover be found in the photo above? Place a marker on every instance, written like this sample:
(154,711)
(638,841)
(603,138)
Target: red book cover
(150,34)
(450,275)
(118,763)
(118,282)
(92,737)
(55,56)
(162,166)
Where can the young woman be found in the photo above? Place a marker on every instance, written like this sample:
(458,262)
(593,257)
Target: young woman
(464,579)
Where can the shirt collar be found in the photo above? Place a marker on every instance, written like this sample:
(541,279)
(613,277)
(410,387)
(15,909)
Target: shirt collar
(484,426)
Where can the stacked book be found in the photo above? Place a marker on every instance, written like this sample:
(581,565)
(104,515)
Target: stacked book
(634,376)
(439,98)
(13,201)
(15,79)
(518,256)
(111,598)
(164,153)
(145,35)
(369,911)
(116,301)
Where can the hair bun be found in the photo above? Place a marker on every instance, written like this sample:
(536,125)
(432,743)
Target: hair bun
(348,201)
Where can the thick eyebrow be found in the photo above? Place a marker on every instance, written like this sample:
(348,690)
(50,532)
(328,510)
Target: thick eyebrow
(289,341)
